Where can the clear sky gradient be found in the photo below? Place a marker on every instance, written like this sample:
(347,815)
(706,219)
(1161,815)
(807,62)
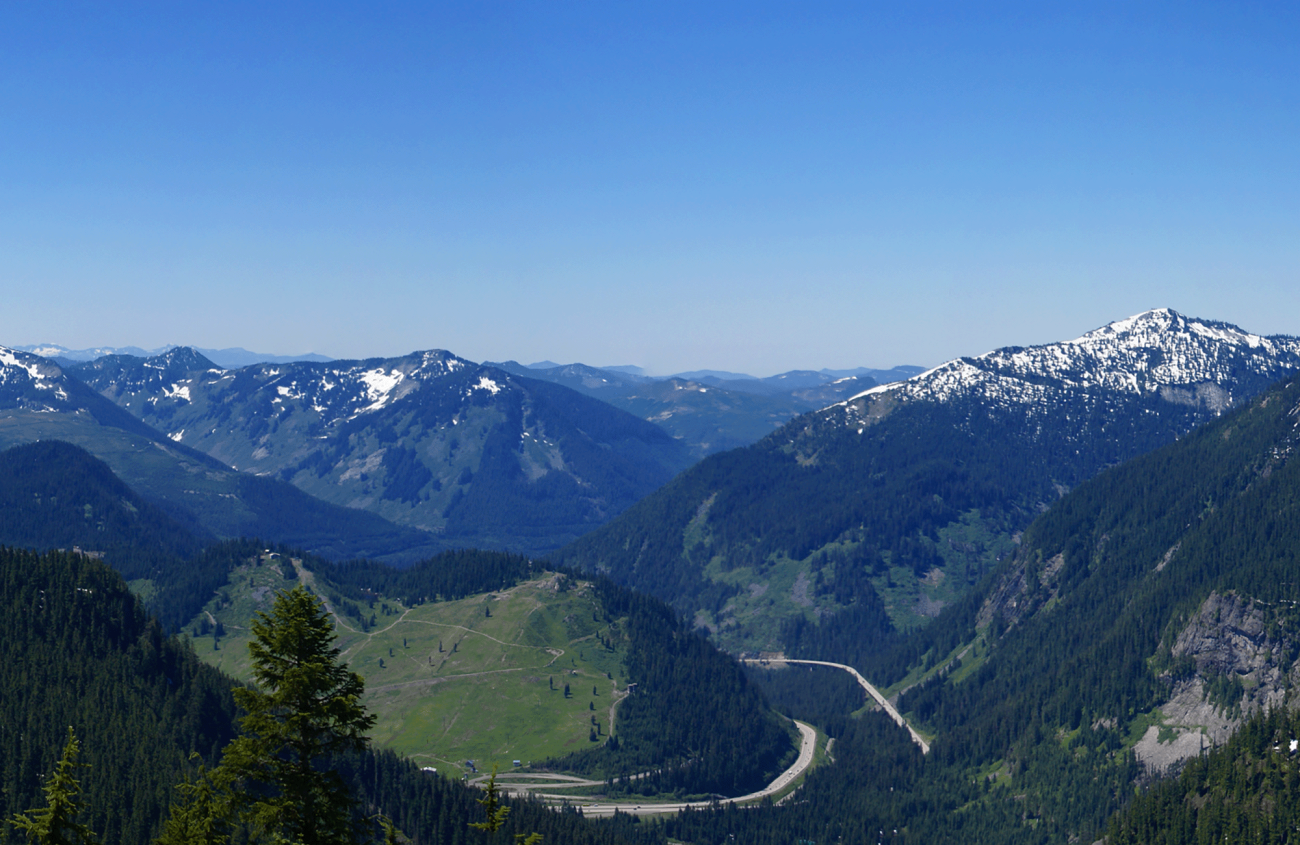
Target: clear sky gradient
(679,185)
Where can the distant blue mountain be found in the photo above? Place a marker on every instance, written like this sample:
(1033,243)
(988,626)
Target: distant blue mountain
(235,357)
(230,358)
(697,375)
(627,370)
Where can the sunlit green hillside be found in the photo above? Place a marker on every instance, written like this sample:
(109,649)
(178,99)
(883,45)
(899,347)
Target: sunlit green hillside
(522,674)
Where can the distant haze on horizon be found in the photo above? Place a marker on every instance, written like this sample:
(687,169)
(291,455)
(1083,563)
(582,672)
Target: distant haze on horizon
(749,187)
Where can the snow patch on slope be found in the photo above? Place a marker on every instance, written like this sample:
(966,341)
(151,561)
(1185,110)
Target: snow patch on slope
(379,387)
(485,383)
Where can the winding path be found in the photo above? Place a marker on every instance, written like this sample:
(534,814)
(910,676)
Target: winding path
(871,691)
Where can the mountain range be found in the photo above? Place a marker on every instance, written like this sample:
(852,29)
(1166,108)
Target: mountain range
(731,416)
(466,454)
(470,453)
(707,415)
(867,517)
(234,356)
(1072,566)
(39,401)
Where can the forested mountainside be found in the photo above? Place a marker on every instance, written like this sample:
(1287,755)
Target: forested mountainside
(472,453)
(54,495)
(77,650)
(872,515)
(1247,791)
(695,723)
(706,415)
(39,402)
(1147,616)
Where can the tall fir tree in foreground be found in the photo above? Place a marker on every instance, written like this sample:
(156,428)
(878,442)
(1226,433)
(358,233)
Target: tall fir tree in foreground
(305,709)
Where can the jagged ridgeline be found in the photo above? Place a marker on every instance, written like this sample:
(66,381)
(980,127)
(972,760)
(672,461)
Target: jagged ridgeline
(492,657)
(77,650)
(1147,615)
(472,453)
(872,515)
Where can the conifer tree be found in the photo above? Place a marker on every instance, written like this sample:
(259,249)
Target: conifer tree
(274,777)
(57,824)
(199,818)
(306,707)
(496,813)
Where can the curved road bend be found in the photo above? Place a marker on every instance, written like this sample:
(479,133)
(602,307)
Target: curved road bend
(871,691)
(807,745)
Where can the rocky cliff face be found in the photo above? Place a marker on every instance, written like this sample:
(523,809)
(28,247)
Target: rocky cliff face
(1237,656)
(1234,657)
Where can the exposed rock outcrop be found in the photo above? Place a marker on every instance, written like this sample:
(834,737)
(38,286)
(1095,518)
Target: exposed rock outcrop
(1237,657)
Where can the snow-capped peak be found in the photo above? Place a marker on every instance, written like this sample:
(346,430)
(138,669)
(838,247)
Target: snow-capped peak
(1147,327)
(1154,351)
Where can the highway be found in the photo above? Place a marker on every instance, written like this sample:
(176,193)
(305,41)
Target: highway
(807,746)
(512,783)
(871,691)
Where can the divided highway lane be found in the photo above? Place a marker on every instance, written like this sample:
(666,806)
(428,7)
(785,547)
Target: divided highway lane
(871,691)
(807,746)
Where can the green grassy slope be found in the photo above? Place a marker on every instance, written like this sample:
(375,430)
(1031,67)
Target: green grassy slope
(447,681)
(467,656)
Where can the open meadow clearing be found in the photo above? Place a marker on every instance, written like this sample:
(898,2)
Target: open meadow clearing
(524,674)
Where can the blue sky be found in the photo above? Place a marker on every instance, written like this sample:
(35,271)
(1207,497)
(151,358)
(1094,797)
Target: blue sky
(746,186)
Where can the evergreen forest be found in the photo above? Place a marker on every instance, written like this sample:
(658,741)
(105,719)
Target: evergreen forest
(80,652)
(862,510)
(1036,688)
